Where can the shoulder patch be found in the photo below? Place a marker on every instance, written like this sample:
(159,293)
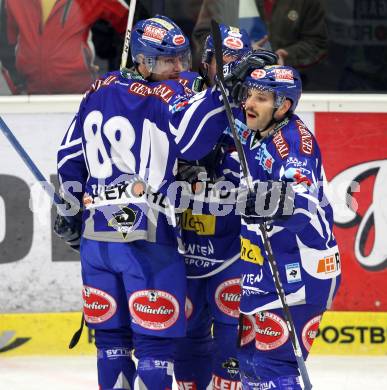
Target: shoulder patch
(281,145)
(306,138)
(162,91)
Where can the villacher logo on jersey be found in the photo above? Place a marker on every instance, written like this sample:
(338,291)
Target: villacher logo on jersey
(271,331)
(98,306)
(228,296)
(154,309)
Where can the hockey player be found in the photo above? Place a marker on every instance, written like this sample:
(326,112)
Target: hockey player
(279,148)
(118,161)
(211,237)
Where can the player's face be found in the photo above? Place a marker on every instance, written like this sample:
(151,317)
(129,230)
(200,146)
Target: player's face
(167,68)
(212,65)
(259,108)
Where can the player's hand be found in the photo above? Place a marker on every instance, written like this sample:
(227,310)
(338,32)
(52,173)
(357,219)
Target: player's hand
(189,172)
(69,229)
(270,200)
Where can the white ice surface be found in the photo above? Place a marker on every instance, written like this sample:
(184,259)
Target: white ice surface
(79,373)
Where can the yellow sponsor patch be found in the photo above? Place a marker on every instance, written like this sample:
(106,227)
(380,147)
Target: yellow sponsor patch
(163,22)
(250,252)
(203,225)
(43,334)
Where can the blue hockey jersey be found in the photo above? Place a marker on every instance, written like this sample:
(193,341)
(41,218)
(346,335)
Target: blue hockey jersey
(210,227)
(303,244)
(118,157)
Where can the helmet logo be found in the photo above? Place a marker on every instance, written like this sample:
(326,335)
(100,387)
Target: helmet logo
(178,40)
(258,74)
(233,43)
(284,75)
(154,34)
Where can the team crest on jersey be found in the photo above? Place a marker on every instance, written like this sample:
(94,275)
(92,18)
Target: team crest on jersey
(265,159)
(228,296)
(154,309)
(242,130)
(231,366)
(293,272)
(98,306)
(310,331)
(123,220)
(271,331)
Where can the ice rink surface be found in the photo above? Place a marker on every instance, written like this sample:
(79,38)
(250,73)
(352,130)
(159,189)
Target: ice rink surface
(79,373)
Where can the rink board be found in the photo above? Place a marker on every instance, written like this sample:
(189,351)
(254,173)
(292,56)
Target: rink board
(341,333)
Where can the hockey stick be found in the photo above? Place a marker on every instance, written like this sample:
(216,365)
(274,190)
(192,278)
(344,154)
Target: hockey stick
(272,262)
(30,164)
(125,50)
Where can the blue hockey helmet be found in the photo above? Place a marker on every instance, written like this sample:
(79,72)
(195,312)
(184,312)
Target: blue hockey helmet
(235,42)
(157,37)
(283,81)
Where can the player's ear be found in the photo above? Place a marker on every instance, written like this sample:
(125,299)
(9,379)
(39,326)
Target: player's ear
(284,108)
(141,59)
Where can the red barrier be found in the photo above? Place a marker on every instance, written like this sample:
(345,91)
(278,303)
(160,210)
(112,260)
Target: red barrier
(354,147)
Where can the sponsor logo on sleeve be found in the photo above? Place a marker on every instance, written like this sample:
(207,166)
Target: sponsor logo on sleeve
(306,146)
(293,272)
(228,296)
(98,306)
(329,264)
(271,331)
(250,252)
(310,331)
(154,309)
(321,264)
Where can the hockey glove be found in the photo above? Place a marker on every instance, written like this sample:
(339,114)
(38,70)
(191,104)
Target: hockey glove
(270,201)
(189,171)
(69,229)
(235,72)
